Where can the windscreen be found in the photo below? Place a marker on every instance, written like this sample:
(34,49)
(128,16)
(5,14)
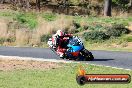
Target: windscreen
(74,42)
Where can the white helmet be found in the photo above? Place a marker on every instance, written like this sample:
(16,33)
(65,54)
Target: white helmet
(60,33)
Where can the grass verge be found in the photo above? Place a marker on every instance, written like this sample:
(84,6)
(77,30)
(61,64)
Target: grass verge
(63,76)
(122,43)
(15,32)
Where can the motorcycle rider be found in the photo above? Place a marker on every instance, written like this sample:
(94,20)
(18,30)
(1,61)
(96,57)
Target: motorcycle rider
(59,42)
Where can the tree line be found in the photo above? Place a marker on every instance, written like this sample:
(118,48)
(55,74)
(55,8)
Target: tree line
(38,3)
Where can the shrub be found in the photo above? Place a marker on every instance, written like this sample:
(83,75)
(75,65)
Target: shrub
(77,25)
(91,27)
(96,27)
(80,29)
(117,30)
(85,27)
(113,32)
(11,39)
(2,40)
(124,44)
(74,31)
(95,35)
(45,38)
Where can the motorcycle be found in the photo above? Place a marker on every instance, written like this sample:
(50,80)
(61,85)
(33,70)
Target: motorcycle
(75,50)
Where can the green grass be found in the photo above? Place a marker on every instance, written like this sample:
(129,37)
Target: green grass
(49,16)
(7,14)
(103,20)
(108,48)
(128,38)
(28,19)
(63,77)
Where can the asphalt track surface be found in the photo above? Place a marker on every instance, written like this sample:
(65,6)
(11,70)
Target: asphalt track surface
(106,58)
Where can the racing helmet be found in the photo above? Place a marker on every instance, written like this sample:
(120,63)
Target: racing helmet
(60,33)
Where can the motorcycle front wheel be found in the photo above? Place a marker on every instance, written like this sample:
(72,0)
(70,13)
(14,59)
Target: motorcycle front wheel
(88,56)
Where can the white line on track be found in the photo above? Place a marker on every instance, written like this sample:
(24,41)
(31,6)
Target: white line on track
(51,60)
(111,67)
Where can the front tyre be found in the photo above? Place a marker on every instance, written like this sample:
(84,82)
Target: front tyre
(88,56)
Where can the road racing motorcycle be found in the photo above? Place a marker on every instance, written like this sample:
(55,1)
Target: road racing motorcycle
(75,49)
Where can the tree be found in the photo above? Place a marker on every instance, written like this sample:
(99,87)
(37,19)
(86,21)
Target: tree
(2,1)
(130,3)
(27,5)
(38,5)
(66,6)
(107,7)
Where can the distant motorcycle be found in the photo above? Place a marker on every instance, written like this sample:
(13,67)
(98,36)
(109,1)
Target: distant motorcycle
(75,50)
